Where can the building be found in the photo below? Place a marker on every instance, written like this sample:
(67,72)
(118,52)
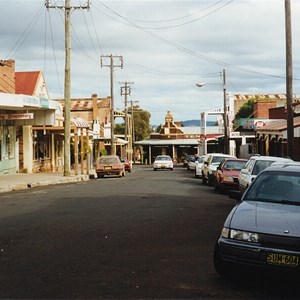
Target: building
(24,143)
(172,139)
(96,111)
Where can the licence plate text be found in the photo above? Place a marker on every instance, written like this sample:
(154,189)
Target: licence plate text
(282,259)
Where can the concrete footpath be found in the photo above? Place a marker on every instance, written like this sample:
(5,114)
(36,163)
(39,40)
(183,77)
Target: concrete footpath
(21,181)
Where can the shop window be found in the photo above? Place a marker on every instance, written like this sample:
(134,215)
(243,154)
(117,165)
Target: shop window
(41,145)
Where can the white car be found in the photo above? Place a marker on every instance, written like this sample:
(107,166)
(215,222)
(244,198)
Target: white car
(163,162)
(254,166)
(211,162)
(192,163)
(198,166)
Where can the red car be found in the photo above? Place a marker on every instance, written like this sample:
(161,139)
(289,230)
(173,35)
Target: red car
(127,164)
(109,165)
(227,174)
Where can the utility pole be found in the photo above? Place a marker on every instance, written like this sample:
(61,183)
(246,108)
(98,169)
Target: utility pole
(132,127)
(126,91)
(225,115)
(67,85)
(111,65)
(289,81)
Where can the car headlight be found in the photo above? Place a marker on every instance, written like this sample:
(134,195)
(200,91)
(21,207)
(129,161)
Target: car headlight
(228,178)
(244,236)
(240,235)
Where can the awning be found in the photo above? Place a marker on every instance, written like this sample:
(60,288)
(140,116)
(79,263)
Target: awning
(79,122)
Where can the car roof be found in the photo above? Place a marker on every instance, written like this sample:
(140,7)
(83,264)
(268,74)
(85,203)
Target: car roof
(220,154)
(235,158)
(292,166)
(274,158)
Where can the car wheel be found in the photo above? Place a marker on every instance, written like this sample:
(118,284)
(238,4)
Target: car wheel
(99,175)
(217,187)
(210,180)
(220,266)
(204,180)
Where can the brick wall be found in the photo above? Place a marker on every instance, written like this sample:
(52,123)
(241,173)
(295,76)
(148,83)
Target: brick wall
(261,108)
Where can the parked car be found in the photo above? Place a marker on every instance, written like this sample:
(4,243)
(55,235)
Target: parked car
(163,162)
(187,159)
(127,164)
(198,166)
(109,165)
(192,163)
(227,174)
(254,166)
(262,232)
(211,161)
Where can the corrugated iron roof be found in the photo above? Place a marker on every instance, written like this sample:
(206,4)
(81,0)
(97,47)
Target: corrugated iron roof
(80,123)
(84,104)
(26,82)
(279,125)
(259,96)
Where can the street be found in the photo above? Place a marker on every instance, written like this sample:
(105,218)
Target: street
(147,235)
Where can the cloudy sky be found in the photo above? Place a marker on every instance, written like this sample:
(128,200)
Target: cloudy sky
(167,47)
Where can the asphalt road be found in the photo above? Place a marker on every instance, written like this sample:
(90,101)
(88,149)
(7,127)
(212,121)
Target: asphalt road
(147,235)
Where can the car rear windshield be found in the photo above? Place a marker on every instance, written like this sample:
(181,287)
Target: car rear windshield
(163,158)
(217,159)
(234,165)
(108,160)
(261,165)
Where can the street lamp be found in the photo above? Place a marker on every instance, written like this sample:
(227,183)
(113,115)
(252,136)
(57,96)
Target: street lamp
(225,112)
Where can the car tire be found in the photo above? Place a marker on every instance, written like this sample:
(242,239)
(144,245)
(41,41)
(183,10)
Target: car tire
(220,266)
(217,187)
(210,180)
(154,169)
(204,180)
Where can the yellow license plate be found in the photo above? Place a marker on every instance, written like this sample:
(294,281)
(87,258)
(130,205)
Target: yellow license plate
(107,168)
(282,259)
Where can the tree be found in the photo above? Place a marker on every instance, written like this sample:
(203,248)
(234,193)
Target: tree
(141,121)
(246,110)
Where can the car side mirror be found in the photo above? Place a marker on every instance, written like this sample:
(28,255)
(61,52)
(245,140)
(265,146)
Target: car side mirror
(237,195)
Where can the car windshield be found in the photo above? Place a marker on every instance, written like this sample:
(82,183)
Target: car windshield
(277,187)
(234,165)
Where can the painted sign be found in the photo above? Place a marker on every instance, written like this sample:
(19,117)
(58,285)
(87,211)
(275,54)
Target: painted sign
(26,116)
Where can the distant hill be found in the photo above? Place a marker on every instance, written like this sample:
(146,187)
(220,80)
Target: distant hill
(190,123)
